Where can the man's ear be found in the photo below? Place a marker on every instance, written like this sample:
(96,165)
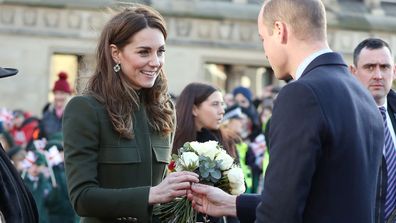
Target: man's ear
(352,69)
(394,72)
(281,31)
(115,52)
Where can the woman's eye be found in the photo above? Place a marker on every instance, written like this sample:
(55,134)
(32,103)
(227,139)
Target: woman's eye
(143,53)
(161,52)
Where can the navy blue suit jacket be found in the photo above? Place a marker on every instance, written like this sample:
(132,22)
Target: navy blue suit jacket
(326,146)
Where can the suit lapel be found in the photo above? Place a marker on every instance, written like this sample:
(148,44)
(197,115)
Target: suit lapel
(325,60)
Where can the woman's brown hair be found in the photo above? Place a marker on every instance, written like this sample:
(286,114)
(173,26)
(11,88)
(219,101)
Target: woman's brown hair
(115,91)
(193,94)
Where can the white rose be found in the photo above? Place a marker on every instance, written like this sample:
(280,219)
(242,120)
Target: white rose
(235,177)
(189,160)
(212,145)
(239,190)
(226,160)
(197,147)
(208,149)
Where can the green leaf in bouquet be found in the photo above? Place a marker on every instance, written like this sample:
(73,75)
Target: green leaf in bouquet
(204,172)
(216,174)
(186,148)
(175,157)
(209,170)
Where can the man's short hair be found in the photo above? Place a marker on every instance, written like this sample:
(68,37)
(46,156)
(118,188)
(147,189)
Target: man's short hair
(306,17)
(371,44)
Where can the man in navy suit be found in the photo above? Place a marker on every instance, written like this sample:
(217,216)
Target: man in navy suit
(326,133)
(373,66)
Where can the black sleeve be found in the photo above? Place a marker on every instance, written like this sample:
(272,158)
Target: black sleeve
(246,207)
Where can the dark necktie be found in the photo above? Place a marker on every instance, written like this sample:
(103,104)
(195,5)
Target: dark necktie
(390,157)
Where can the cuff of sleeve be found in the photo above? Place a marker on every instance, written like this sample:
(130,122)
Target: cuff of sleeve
(246,207)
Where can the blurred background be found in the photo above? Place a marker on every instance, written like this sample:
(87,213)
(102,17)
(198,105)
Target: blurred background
(212,41)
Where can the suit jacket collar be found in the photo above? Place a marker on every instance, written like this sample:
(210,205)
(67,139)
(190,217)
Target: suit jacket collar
(325,59)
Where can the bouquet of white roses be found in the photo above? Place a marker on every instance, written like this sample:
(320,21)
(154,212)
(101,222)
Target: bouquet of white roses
(214,167)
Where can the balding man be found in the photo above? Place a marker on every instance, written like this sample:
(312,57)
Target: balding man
(325,132)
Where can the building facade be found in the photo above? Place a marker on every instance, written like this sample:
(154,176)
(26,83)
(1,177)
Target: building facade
(209,40)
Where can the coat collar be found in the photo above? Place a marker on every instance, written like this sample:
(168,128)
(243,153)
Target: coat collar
(330,58)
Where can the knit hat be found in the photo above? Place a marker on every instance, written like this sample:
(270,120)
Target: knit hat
(61,84)
(244,91)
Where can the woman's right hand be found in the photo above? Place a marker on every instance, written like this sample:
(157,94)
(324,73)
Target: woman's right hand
(174,185)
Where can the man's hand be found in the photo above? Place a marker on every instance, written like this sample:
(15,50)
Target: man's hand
(212,201)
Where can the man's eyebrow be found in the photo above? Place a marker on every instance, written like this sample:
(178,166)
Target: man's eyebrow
(373,64)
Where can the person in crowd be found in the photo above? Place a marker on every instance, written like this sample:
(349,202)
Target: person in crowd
(118,134)
(51,122)
(38,182)
(374,67)
(17,155)
(255,145)
(244,98)
(233,123)
(326,134)
(199,112)
(59,208)
(24,126)
(228,100)
(16,202)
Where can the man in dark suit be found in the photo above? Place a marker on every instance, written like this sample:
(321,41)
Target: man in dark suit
(373,66)
(326,133)
(16,202)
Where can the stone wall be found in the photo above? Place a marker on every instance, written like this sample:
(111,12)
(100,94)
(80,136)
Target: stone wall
(200,32)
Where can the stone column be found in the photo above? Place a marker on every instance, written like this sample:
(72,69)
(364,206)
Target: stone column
(374,7)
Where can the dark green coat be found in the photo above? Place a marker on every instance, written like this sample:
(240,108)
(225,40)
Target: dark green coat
(109,177)
(58,204)
(40,190)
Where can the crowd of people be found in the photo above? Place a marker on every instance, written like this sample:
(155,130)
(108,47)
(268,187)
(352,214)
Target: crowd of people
(321,149)
(35,147)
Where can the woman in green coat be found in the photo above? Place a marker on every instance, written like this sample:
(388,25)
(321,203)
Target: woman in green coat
(118,134)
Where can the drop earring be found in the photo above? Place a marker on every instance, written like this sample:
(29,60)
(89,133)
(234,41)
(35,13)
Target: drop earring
(117,67)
